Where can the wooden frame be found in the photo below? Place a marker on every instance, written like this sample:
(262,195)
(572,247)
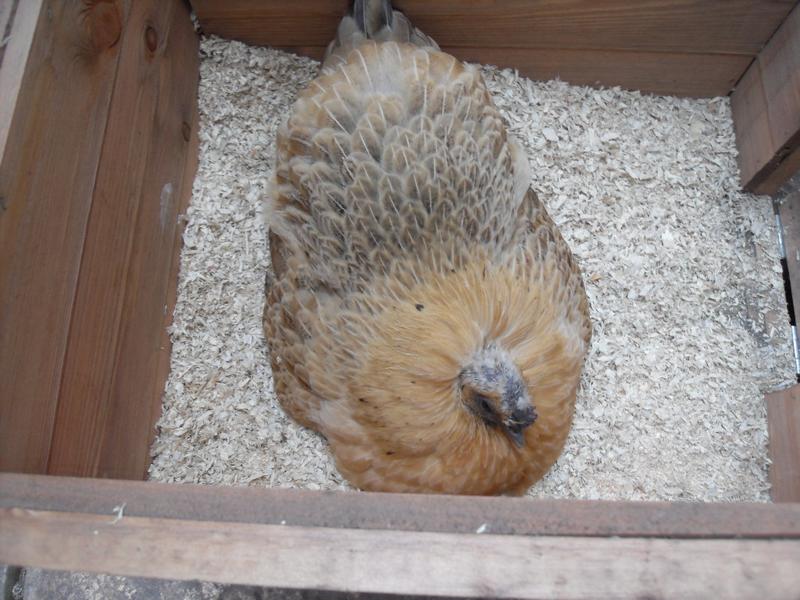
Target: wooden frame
(98,141)
(97,165)
(387,543)
(698,48)
(766,111)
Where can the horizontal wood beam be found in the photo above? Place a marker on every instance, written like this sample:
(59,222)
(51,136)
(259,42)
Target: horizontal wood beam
(685,26)
(392,550)
(407,512)
(766,112)
(684,48)
(397,562)
(668,73)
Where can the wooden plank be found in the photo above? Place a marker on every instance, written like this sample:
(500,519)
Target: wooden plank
(104,418)
(751,123)
(408,512)
(780,70)
(162,370)
(674,74)
(766,112)
(47,176)
(142,360)
(783,417)
(784,171)
(686,26)
(91,350)
(658,73)
(399,562)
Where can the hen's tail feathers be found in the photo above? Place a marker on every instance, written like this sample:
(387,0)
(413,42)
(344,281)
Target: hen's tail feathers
(372,20)
(372,15)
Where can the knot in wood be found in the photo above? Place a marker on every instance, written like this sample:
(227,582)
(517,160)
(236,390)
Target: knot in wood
(151,38)
(104,24)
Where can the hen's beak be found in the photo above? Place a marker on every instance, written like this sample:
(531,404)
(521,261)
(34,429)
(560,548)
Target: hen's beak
(517,436)
(518,422)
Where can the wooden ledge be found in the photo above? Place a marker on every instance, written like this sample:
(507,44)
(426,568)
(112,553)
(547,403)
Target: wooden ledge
(400,544)
(402,512)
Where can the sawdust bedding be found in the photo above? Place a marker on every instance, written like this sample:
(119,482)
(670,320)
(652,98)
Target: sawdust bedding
(681,268)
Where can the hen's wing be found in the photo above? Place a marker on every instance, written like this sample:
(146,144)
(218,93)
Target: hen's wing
(394,161)
(285,336)
(545,246)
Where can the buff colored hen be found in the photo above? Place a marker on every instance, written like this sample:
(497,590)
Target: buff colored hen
(425,314)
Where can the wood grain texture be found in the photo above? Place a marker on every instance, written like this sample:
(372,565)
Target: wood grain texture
(142,361)
(766,112)
(47,175)
(402,512)
(657,73)
(751,122)
(783,417)
(780,69)
(784,171)
(110,378)
(679,47)
(357,560)
(685,26)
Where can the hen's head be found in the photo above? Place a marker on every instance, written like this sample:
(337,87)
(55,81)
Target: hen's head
(492,388)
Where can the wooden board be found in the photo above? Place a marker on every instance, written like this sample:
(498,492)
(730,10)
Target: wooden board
(405,512)
(96,169)
(49,166)
(400,562)
(142,359)
(766,112)
(699,75)
(783,416)
(701,27)
(110,384)
(670,73)
(401,544)
(162,358)
(688,48)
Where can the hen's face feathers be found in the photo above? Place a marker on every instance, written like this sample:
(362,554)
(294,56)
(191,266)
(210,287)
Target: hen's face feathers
(426,316)
(493,389)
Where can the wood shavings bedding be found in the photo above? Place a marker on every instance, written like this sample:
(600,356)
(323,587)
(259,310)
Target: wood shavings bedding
(681,268)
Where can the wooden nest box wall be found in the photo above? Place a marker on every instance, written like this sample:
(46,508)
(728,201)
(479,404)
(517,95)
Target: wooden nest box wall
(98,151)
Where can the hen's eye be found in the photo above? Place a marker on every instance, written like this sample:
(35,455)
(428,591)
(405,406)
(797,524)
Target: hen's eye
(484,404)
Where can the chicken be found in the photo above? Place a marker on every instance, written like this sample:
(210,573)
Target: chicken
(425,314)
